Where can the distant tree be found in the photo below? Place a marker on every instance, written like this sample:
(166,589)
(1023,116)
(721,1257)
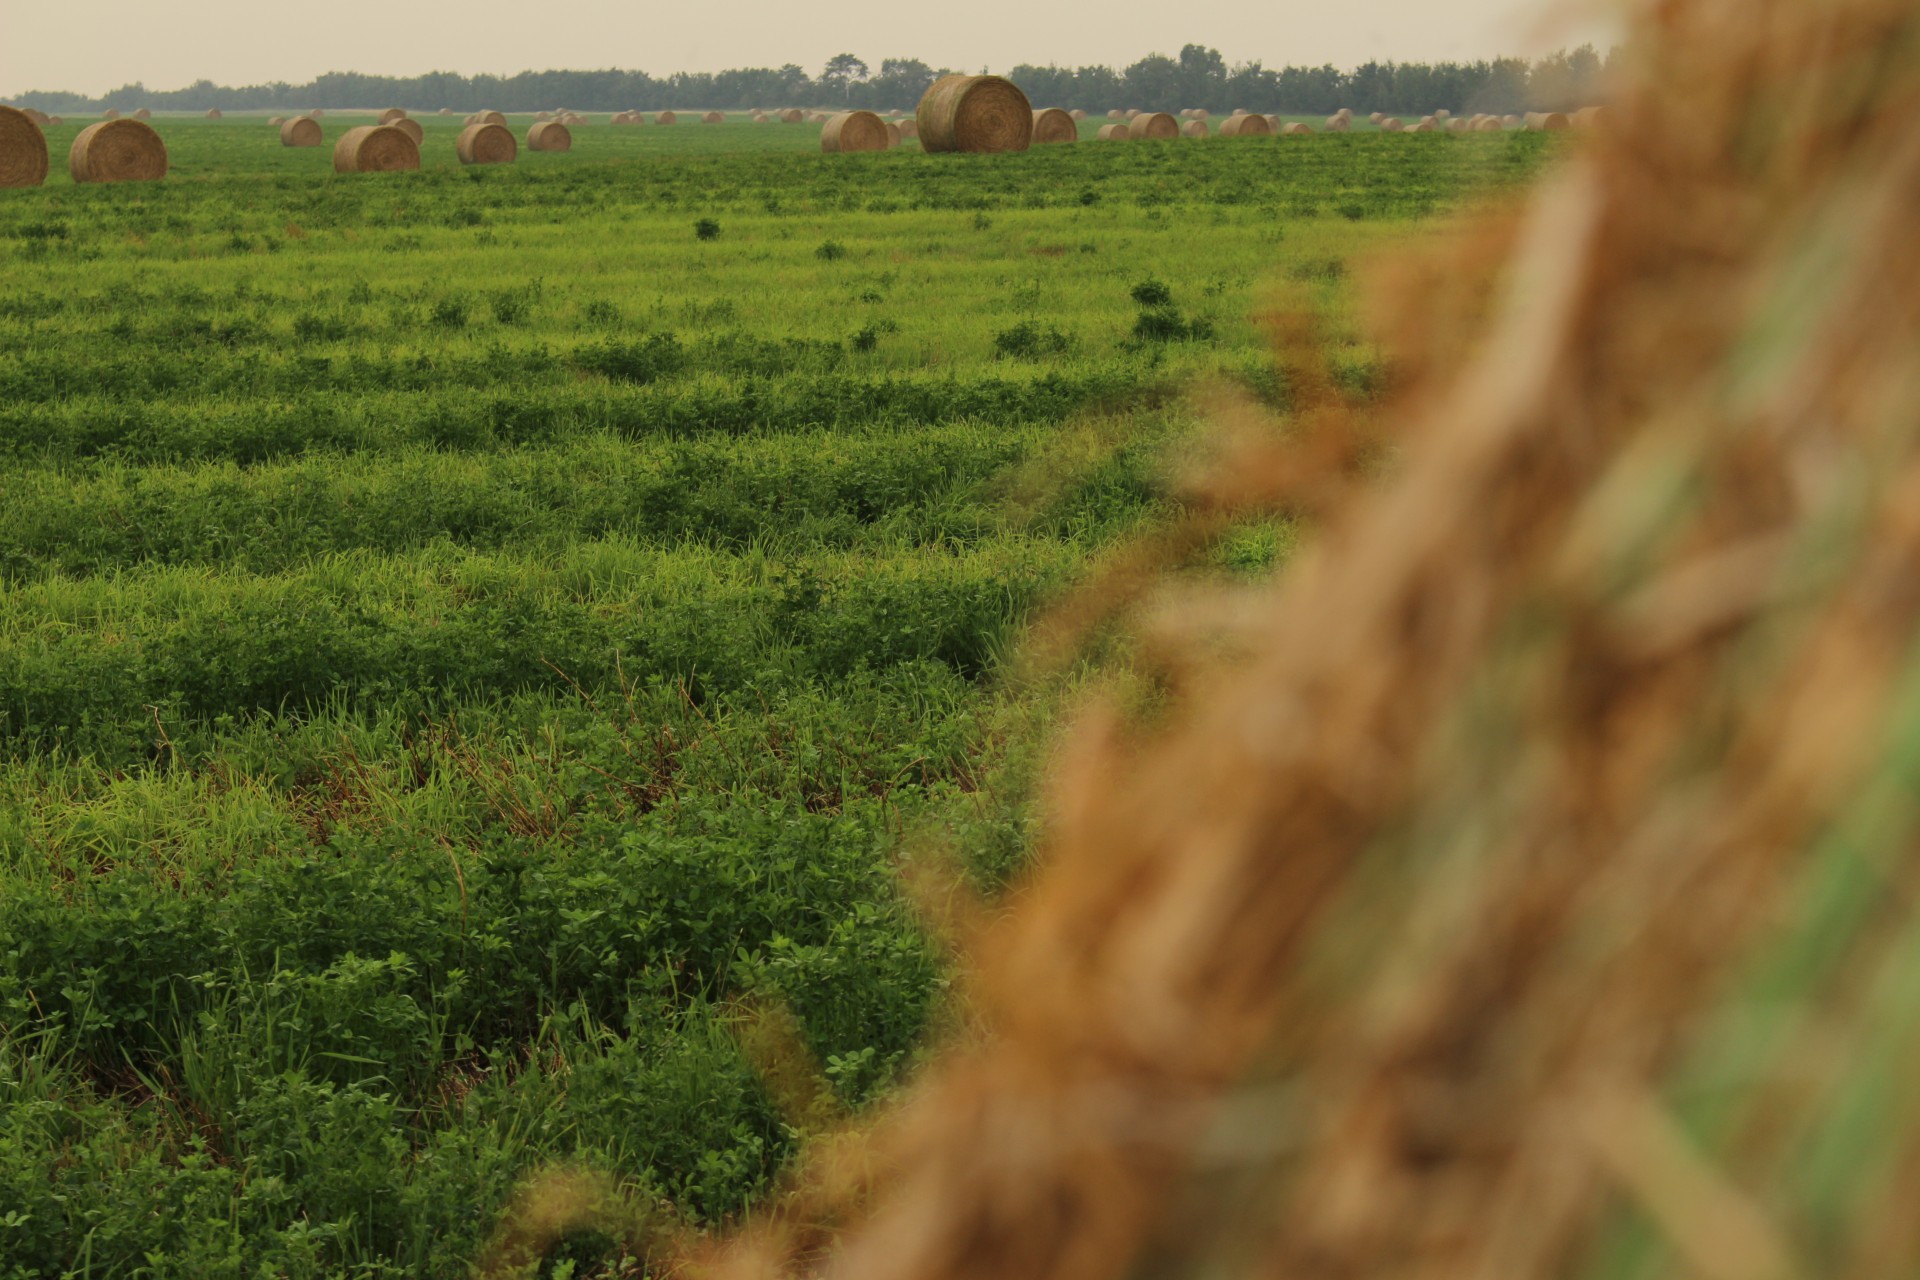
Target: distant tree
(841,73)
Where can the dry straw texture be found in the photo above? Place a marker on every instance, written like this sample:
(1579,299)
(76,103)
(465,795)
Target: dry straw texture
(1120,132)
(714,117)
(1157,126)
(1077,114)
(377,148)
(39,117)
(894,134)
(1546,121)
(1054,125)
(1194,129)
(975,113)
(1338,124)
(486,144)
(487,117)
(23,150)
(908,129)
(118,151)
(792,115)
(549,135)
(412,128)
(666,117)
(1116,114)
(300,132)
(1245,127)
(1296,129)
(392,115)
(854,131)
(1522,885)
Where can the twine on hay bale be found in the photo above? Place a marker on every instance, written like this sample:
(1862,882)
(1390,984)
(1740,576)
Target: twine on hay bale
(213,113)
(1116,132)
(1546,122)
(300,132)
(412,128)
(118,151)
(23,150)
(714,117)
(486,144)
(975,113)
(1245,127)
(549,135)
(1156,127)
(854,131)
(1195,129)
(377,148)
(1051,124)
(392,115)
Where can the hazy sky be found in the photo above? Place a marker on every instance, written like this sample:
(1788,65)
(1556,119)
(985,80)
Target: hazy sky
(101,44)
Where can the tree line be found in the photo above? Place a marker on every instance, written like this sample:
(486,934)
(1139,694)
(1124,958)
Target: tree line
(1197,77)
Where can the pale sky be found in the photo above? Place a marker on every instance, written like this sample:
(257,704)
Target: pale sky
(96,45)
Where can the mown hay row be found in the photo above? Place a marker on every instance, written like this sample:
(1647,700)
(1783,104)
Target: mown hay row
(975,113)
(487,144)
(1054,125)
(376,148)
(118,151)
(23,150)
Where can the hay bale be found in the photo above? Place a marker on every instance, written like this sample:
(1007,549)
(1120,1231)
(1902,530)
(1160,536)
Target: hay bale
(1513,122)
(299,132)
(548,135)
(487,117)
(1377,117)
(1273,124)
(23,150)
(392,115)
(142,114)
(714,117)
(1245,127)
(378,148)
(1296,130)
(1546,122)
(55,120)
(1133,113)
(1443,115)
(1116,114)
(1490,124)
(1115,133)
(40,118)
(792,115)
(1392,124)
(539,117)
(1156,127)
(1338,124)
(445,111)
(1077,114)
(412,128)
(1054,125)
(1590,117)
(109,114)
(1424,126)
(118,151)
(316,114)
(894,136)
(1194,129)
(854,131)
(1345,113)
(975,113)
(1201,113)
(1457,125)
(666,117)
(277,121)
(213,113)
(909,129)
(487,144)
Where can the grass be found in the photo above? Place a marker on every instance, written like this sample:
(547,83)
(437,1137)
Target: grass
(466,636)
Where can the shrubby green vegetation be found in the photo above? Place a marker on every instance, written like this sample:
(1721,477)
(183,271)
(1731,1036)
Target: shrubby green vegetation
(467,636)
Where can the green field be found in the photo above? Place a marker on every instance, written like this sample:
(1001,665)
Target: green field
(467,635)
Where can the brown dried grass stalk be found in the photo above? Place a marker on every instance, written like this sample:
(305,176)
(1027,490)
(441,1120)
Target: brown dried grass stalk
(378,148)
(1575,752)
(1054,125)
(117,151)
(487,144)
(23,150)
(974,113)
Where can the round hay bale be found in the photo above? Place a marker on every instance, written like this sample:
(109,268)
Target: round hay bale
(486,144)
(39,117)
(549,135)
(1589,117)
(487,117)
(1392,124)
(1345,113)
(376,148)
(392,115)
(666,117)
(1443,115)
(213,113)
(1513,122)
(1156,127)
(445,111)
(1115,133)
(109,114)
(300,132)
(1296,130)
(142,114)
(909,129)
(894,136)
(1077,114)
(276,121)
(854,131)
(1424,126)
(539,117)
(1490,124)
(1245,127)
(1273,123)
(118,151)
(1054,125)
(1132,112)
(792,115)
(23,150)
(1194,129)
(1116,114)
(55,120)
(1377,117)
(1457,125)
(1546,122)
(1201,113)
(316,114)
(412,128)
(714,117)
(975,113)
(1338,124)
